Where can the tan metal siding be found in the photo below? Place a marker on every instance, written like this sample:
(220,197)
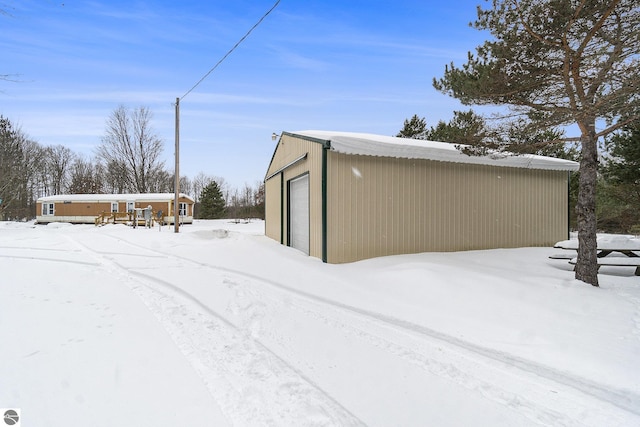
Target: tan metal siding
(289,149)
(273,204)
(383,206)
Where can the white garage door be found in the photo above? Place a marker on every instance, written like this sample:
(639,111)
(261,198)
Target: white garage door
(299,213)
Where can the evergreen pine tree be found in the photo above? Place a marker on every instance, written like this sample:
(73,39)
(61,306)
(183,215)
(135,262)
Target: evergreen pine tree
(620,199)
(212,204)
(414,128)
(558,63)
(624,165)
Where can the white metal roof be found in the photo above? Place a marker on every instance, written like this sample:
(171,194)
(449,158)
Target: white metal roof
(390,146)
(146,197)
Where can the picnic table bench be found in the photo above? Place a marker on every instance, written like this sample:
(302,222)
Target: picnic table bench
(616,262)
(607,245)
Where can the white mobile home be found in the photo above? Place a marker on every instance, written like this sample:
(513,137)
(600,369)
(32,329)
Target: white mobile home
(85,208)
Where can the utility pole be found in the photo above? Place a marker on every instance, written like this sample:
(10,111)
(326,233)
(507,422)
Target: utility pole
(176,202)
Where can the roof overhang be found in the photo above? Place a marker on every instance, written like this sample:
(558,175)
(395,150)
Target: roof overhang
(98,198)
(388,146)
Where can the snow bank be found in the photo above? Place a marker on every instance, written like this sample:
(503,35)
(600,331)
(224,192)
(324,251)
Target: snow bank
(122,326)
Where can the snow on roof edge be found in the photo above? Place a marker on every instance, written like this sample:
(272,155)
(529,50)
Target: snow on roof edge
(389,146)
(112,197)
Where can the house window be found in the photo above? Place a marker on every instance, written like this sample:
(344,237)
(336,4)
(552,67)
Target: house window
(114,206)
(131,206)
(48,209)
(183,209)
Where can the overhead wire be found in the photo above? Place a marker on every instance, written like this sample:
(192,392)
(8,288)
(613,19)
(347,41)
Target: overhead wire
(231,50)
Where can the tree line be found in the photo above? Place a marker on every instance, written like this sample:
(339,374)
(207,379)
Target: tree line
(128,160)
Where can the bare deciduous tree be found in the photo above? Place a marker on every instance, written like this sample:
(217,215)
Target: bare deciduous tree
(59,159)
(161,182)
(19,160)
(186,186)
(85,177)
(131,149)
(199,183)
(11,141)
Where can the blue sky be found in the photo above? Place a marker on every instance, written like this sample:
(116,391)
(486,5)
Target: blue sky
(361,66)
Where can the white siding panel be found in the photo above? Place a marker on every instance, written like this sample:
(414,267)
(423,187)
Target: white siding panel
(299,213)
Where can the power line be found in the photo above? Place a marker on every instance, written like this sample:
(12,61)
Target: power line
(231,50)
(176,205)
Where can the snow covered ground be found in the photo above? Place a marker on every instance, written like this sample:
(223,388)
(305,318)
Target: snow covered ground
(219,325)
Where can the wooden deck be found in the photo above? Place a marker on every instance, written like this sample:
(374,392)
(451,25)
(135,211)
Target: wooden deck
(122,218)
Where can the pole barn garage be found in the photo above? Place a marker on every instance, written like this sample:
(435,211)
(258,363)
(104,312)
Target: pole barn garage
(344,197)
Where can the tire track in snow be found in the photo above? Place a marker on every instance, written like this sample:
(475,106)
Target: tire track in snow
(541,401)
(252,385)
(621,398)
(549,388)
(32,258)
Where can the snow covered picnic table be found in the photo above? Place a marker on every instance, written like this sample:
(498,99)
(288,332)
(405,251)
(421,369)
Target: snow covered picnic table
(608,245)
